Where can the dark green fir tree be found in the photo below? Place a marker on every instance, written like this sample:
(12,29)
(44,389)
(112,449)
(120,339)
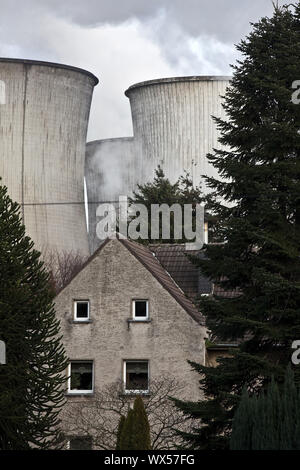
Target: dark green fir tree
(141,428)
(243,424)
(259,183)
(119,431)
(31,382)
(135,432)
(183,191)
(269,421)
(127,436)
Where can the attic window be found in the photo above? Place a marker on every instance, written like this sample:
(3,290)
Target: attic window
(80,377)
(81,310)
(140,309)
(136,376)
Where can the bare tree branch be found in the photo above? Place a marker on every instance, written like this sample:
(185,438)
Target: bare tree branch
(63,266)
(99,416)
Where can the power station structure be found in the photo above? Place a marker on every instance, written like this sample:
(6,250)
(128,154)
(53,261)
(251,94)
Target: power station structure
(44,113)
(172,127)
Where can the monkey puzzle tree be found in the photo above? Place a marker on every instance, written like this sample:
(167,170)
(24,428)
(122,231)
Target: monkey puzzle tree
(31,391)
(260,218)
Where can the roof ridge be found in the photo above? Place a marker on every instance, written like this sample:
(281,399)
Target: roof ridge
(90,258)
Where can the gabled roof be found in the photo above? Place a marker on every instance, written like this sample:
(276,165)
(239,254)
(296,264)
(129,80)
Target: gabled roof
(148,259)
(84,265)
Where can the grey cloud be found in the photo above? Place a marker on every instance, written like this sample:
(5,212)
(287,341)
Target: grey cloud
(227,20)
(202,54)
(169,38)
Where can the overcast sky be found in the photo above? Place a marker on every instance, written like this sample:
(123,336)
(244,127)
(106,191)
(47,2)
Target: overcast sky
(127,41)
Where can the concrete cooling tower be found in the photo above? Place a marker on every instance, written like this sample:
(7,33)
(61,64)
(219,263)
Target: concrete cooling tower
(110,168)
(172,127)
(109,172)
(44,111)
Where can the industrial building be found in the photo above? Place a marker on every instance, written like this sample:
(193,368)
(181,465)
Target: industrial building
(172,127)
(44,113)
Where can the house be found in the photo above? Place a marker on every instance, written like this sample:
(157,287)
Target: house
(125,319)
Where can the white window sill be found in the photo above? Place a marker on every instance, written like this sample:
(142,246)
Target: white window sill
(128,393)
(79,393)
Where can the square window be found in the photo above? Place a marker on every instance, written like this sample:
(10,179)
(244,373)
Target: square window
(80,443)
(140,309)
(136,376)
(80,377)
(81,310)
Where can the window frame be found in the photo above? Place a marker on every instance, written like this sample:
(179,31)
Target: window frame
(78,391)
(136,391)
(135,318)
(80,319)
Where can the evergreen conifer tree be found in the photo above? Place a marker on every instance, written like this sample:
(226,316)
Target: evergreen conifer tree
(243,424)
(31,382)
(273,417)
(141,428)
(135,432)
(127,435)
(162,191)
(289,413)
(119,432)
(260,219)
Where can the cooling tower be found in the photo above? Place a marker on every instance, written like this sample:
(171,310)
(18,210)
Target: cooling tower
(172,127)
(44,111)
(109,173)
